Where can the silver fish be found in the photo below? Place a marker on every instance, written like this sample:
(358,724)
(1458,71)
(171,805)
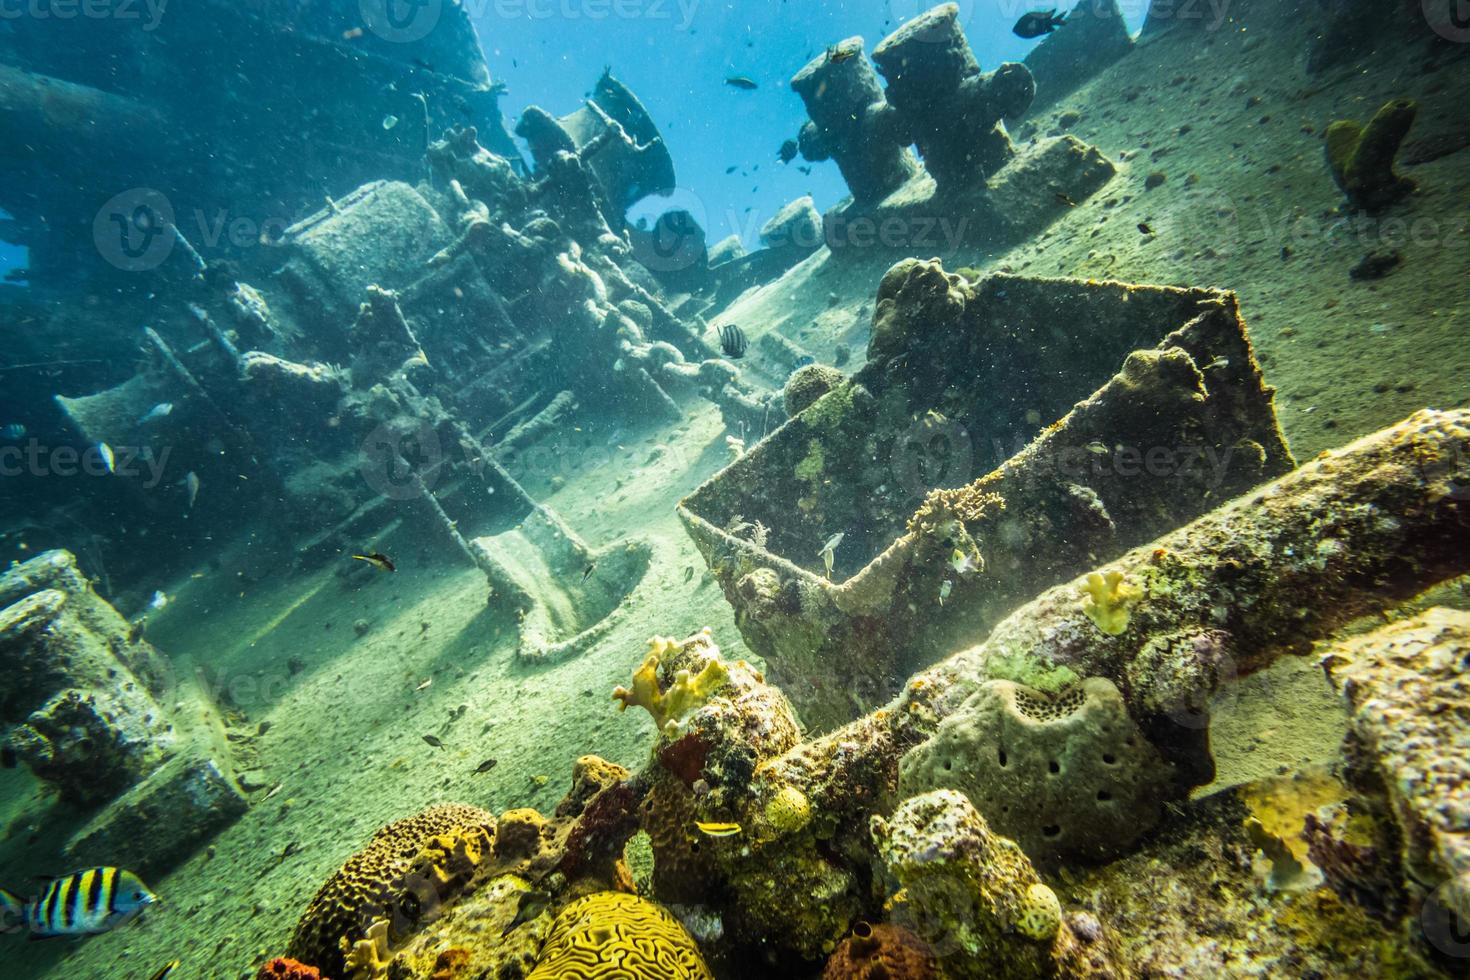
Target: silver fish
(829,550)
(109,461)
(161,410)
(191,486)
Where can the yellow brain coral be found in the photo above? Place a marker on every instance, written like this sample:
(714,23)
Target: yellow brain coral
(611,934)
(1041,913)
(374,883)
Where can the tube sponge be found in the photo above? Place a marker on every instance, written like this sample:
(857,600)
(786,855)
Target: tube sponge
(1361,157)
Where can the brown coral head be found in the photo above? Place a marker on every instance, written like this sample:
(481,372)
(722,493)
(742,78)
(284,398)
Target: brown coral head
(451,963)
(685,758)
(518,834)
(881,952)
(282,968)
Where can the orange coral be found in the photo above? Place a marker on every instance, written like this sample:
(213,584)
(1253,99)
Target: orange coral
(881,952)
(281,968)
(451,963)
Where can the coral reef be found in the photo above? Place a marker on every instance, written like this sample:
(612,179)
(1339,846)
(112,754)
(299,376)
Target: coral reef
(1066,777)
(1361,158)
(382,883)
(893,460)
(668,703)
(1225,597)
(1191,903)
(1404,686)
(611,931)
(281,968)
(971,894)
(881,952)
(455,889)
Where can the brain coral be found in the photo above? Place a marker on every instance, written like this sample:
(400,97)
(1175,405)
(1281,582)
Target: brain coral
(881,952)
(375,883)
(610,934)
(1066,777)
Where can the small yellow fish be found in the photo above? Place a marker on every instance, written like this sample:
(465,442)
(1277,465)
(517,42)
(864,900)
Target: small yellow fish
(378,560)
(168,968)
(717,829)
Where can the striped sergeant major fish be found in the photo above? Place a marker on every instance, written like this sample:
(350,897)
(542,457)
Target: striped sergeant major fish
(81,904)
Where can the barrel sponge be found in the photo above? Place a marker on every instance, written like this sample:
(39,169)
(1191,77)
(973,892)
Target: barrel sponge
(614,934)
(808,384)
(373,883)
(1361,158)
(881,952)
(1067,776)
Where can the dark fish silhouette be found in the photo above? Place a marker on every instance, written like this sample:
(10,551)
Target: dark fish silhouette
(743,82)
(787,153)
(1144,229)
(1039,23)
(435,741)
(484,767)
(731,169)
(732,341)
(587,572)
(379,561)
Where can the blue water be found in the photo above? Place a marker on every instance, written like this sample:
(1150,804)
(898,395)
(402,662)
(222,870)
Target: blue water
(676,58)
